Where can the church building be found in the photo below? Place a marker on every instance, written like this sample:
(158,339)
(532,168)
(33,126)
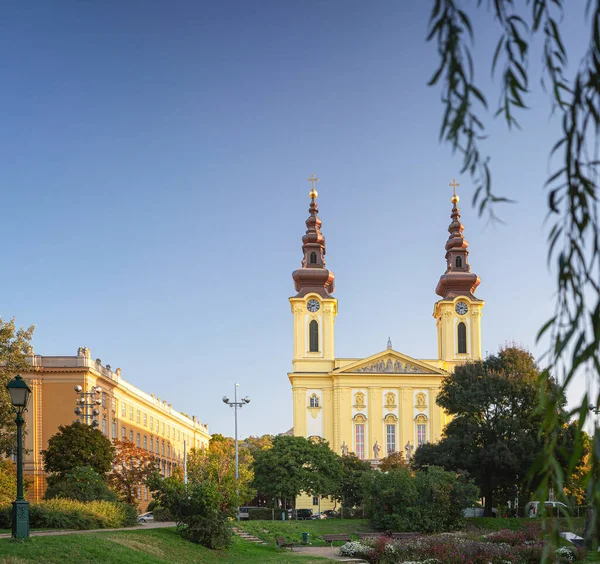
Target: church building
(386,402)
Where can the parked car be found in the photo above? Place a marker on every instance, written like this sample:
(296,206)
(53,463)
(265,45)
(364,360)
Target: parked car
(317,516)
(303,514)
(477,512)
(532,509)
(146,517)
(331,513)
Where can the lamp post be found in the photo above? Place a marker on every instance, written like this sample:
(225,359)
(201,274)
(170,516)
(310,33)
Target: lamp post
(235,404)
(89,401)
(19,397)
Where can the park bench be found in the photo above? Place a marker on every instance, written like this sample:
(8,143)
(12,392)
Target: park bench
(338,537)
(282,542)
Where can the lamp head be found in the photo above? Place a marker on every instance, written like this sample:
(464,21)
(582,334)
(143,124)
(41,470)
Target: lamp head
(592,407)
(19,392)
(246,399)
(225,399)
(78,389)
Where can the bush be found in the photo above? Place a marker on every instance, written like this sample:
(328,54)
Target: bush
(263,514)
(82,484)
(70,514)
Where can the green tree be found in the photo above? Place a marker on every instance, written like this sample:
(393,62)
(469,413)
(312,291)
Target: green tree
(82,483)
(392,461)
(294,465)
(349,485)
(15,346)
(8,482)
(494,431)
(78,445)
(574,226)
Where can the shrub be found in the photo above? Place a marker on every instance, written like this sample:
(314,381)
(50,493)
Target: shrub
(262,513)
(70,514)
(162,514)
(82,484)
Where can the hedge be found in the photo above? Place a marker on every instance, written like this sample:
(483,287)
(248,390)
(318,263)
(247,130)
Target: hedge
(70,514)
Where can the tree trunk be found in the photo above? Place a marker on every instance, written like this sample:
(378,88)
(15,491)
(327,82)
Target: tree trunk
(487,508)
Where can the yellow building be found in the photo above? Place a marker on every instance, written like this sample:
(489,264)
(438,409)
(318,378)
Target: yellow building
(386,402)
(124,411)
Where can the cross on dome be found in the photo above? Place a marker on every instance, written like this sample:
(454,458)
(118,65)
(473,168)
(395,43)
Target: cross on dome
(313,193)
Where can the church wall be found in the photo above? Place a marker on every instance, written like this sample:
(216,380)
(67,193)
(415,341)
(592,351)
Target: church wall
(314,415)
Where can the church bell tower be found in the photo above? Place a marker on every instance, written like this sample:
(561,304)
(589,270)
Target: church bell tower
(313,307)
(458,313)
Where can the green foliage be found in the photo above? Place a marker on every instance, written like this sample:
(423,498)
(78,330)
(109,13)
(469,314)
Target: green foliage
(81,484)
(200,509)
(8,481)
(349,486)
(15,346)
(71,514)
(263,513)
(78,445)
(494,432)
(392,461)
(294,465)
(131,468)
(427,501)
(160,513)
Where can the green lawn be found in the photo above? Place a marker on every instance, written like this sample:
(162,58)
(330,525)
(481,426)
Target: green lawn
(292,530)
(576,525)
(153,546)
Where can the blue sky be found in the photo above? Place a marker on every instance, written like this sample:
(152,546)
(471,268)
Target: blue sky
(154,158)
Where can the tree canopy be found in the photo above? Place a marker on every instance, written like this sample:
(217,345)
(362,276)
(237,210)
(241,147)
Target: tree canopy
(15,346)
(132,467)
(494,430)
(78,445)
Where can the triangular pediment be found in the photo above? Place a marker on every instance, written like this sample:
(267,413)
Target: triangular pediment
(390,362)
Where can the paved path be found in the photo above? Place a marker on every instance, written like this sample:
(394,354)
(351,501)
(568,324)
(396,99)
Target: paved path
(145,526)
(330,552)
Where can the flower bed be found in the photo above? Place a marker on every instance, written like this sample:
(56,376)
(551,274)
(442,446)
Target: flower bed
(502,547)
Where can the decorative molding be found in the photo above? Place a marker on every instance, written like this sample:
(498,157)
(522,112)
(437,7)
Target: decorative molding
(390,400)
(395,367)
(359,418)
(421,419)
(314,411)
(421,400)
(359,400)
(390,419)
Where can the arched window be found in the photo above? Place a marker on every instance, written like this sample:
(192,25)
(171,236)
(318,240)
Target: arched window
(421,424)
(313,336)
(314,401)
(313,258)
(458,262)
(462,338)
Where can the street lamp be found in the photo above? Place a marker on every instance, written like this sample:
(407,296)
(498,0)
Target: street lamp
(87,405)
(235,404)
(19,397)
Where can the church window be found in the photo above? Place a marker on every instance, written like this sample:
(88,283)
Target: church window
(391,438)
(313,334)
(314,401)
(313,258)
(315,500)
(359,437)
(458,262)
(421,422)
(462,338)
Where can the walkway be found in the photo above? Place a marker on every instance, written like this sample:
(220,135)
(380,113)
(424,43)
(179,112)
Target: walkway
(145,526)
(330,552)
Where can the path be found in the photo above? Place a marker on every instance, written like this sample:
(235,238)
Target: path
(145,526)
(330,552)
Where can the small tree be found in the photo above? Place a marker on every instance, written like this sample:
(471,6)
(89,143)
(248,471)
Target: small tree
(392,461)
(82,484)
(15,346)
(349,485)
(133,466)
(8,482)
(78,445)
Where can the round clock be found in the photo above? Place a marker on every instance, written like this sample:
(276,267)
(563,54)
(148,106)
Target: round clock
(313,306)
(461,308)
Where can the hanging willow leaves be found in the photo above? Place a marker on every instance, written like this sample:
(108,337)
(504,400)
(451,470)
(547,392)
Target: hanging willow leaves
(573,240)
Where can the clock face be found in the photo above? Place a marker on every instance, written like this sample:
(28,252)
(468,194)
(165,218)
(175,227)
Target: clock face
(313,305)
(461,308)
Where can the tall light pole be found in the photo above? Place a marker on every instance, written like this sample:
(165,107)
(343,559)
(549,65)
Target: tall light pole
(19,397)
(235,404)
(89,401)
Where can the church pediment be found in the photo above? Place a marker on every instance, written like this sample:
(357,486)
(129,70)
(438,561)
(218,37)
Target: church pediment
(390,362)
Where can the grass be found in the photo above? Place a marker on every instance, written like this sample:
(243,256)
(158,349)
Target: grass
(292,530)
(152,546)
(576,526)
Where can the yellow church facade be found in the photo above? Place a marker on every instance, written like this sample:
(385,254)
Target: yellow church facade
(386,402)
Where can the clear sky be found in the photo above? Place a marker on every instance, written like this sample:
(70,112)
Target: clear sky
(154,158)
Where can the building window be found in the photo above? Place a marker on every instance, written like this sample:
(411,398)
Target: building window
(163,428)
(104,427)
(173,433)
(151,423)
(131,435)
(151,444)
(390,429)
(359,430)
(131,412)
(123,409)
(157,445)
(114,429)
(168,451)
(168,430)
(146,494)
(315,498)
(145,442)
(178,435)
(137,416)
(123,432)
(313,336)
(313,258)
(113,404)
(163,448)
(104,399)
(145,420)
(458,262)
(421,422)
(462,338)
(138,440)
(314,401)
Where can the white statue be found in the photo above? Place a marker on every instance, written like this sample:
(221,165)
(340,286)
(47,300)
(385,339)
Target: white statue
(376,450)
(344,449)
(409,450)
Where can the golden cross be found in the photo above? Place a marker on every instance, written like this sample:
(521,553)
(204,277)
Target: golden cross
(454,184)
(313,179)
